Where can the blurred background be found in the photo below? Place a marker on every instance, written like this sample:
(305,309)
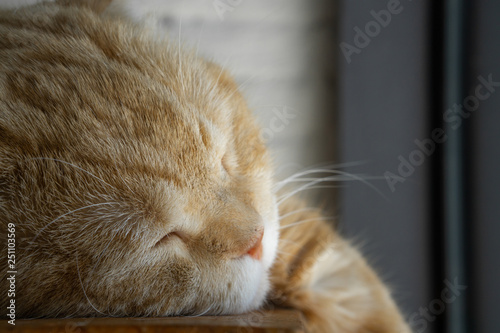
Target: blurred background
(402,94)
(422,67)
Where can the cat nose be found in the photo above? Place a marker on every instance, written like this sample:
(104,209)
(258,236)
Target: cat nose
(256,249)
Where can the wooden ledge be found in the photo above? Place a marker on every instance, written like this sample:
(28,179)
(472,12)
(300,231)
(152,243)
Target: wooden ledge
(269,321)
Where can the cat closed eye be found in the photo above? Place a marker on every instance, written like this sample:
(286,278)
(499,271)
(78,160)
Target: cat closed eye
(224,164)
(169,237)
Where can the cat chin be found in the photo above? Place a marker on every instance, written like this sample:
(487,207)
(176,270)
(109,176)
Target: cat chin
(254,286)
(261,294)
(253,283)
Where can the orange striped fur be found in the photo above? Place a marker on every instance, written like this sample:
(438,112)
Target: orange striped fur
(138,185)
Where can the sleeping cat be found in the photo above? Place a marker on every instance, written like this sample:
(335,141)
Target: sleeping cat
(135,182)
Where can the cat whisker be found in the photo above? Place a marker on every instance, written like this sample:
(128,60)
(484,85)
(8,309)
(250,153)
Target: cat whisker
(103,251)
(325,218)
(292,178)
(320,168)
(288,241)
(345,312)
(282,252)
(75,166)
(179,46)
(223,67)
(199,36)
(304,187)
(261,106)
(336,185)
(71,212)
(207,310)
(203,312)
(339,178)
(299,211)
(314,182)
(324,186)
(279,257)
(240,86)
(311,186)
(332,165)
(83,288)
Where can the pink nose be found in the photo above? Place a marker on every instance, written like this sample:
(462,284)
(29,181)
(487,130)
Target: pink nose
(256,250)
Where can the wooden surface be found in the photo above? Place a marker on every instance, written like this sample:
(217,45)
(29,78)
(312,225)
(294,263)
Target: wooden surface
(275,321)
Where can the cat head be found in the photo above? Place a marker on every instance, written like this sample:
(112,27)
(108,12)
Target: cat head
(132,171)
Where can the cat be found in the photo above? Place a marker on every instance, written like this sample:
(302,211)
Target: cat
(135,182)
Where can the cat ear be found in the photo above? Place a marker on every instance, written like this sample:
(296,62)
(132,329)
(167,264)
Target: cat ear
(98,6)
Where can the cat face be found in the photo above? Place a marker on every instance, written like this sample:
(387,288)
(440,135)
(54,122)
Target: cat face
(133,172)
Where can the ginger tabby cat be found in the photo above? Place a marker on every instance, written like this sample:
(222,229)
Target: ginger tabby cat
(136,182)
